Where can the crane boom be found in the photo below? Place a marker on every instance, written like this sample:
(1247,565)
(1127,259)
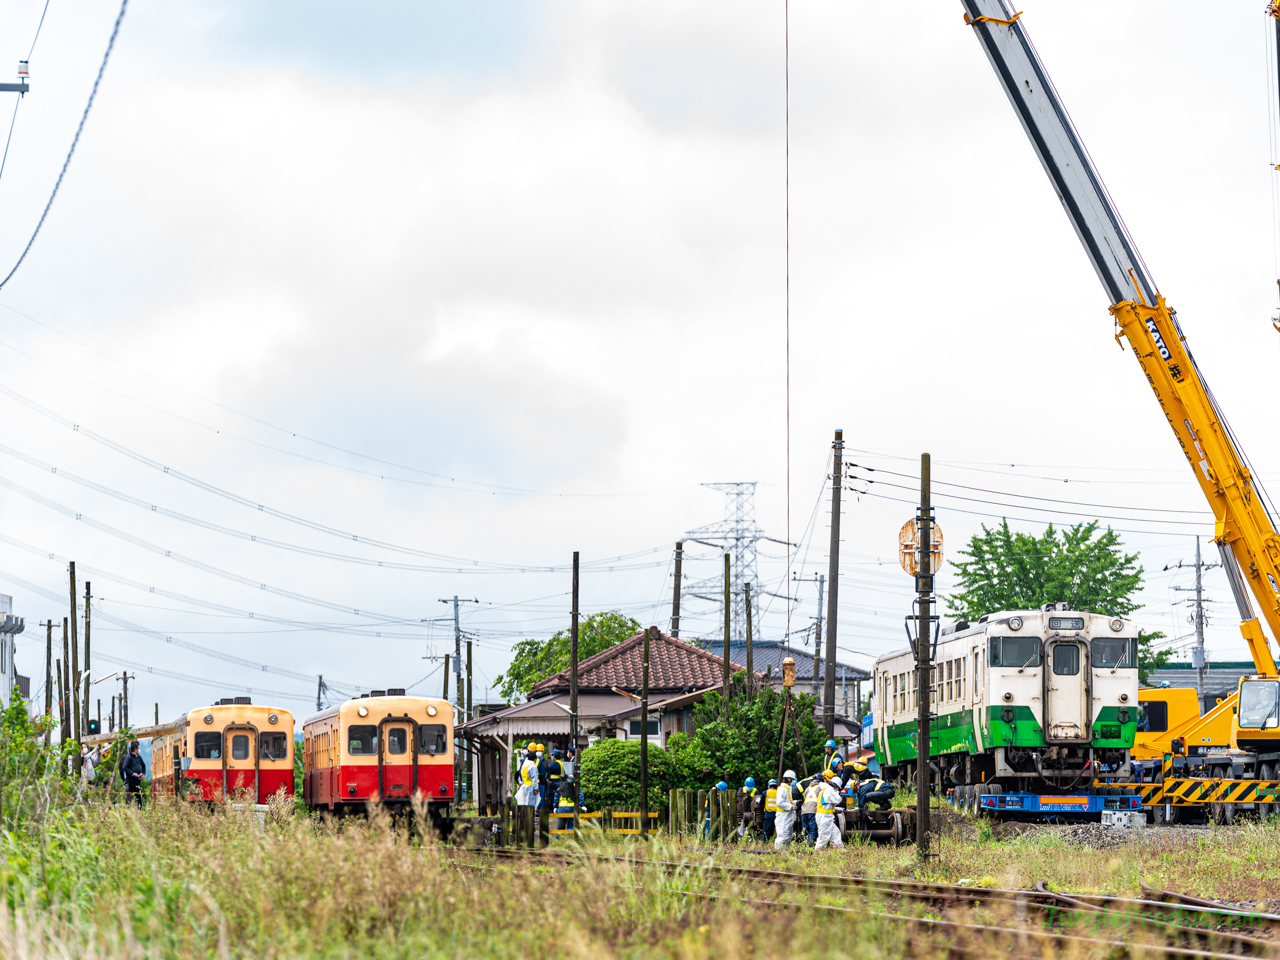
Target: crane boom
(1243,529)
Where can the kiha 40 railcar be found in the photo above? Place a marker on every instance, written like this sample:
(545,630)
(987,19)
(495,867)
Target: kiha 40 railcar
(230,750)
(1032,700)
(382,748)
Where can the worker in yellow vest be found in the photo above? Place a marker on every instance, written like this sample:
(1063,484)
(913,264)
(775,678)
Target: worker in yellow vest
(829,800)
(785,801)
(770,809)
(527,794)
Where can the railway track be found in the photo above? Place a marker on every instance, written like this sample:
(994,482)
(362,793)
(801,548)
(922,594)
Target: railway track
(1187,926)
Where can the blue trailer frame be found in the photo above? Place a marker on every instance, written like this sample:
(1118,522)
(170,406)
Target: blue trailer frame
(1074,806)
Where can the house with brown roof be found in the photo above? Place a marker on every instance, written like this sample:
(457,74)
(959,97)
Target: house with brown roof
(608,684)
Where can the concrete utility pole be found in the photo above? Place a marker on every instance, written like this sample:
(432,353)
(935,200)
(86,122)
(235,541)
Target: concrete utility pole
(751,674)
(1197,655)
(817,637)
(124,701)
(457,649)
(321,687)
(726,635)
(675,591)
(444,693)
(833,574)
(924,586)
(467,748)
(573,676)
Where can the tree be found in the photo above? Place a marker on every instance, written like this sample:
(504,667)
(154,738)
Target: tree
(534,660)
(746,741)
(1017,571)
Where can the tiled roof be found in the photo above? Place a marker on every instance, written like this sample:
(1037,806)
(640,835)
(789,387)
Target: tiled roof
(674,667)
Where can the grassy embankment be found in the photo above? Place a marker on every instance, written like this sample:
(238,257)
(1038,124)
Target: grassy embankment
(178,882)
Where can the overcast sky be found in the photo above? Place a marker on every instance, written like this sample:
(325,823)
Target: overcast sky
(491,283)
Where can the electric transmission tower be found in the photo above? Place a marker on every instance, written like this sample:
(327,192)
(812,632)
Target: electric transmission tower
(736,535)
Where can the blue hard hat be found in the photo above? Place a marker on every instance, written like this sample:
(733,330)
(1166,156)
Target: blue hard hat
(773,782)
(830,744)
(722,785)
(749,782)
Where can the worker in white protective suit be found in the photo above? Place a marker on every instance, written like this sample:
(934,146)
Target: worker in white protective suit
(829,800)
(785,823)
(527,793)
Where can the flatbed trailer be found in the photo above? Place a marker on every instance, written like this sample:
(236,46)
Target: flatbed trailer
(1066,806)
(1187,789)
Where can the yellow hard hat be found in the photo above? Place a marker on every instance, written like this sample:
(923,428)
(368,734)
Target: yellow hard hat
(859,766)
(829,774)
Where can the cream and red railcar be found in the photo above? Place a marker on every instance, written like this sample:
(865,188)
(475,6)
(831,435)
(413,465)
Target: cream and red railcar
(382,748)
(231,750)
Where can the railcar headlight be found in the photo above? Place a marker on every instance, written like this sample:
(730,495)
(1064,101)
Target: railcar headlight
(208,718)
(272,718)
(1117,625)
(1008,698)
(1124,698)
(431,711)
(363,711)
(1015,623)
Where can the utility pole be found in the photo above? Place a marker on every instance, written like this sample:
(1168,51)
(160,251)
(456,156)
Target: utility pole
(444,693)
(751,676)
(651,633)
(88,673)
(726,635)
(64,710)
(124,701)
(573,676)
(457,649)
(73,677)
(112,719)
(1197,655)
(833,574)
(320,689)
(924,586)
(48,681)
(675,591)
(467,749)
(817,635)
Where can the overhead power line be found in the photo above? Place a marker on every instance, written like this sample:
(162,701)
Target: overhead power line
(75,140)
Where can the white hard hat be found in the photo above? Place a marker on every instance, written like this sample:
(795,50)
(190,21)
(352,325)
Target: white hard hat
(789,775)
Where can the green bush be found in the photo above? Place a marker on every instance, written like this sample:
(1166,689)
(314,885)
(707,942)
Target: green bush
(611,774)
(694,767)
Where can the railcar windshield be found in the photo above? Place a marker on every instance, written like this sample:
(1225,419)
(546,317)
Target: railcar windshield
(431,738)
(1115,652)
(1014,651)
(362,739)
(240,746)
(273,746)
(209,746)
(1260,704)
(397,740)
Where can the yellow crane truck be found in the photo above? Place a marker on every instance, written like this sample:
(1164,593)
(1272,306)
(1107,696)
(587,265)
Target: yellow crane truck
(1228,757)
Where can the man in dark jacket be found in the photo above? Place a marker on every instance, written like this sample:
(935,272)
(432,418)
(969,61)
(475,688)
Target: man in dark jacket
(133,770)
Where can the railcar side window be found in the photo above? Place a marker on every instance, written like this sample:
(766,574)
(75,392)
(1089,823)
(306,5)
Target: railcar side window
(1115,652)
(208,746)
(431,739)
(362,739)
(240,746)
(1015,651)
(397,740)
(1066,659)
(272,746)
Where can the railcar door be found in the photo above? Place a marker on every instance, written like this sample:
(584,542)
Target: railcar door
(397,758)
(240,763)
(1066,692)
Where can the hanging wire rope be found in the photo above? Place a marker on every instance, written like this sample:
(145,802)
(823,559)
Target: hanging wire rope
(75,140)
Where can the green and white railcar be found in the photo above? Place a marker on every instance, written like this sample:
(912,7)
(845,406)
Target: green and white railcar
(1023,699)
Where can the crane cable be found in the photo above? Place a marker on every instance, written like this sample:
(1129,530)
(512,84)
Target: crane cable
(75,140)
(1272,51)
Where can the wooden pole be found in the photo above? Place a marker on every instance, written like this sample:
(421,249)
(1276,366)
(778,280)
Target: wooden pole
(726,635)
(73,678)
(751,676)
(675,591)
(48,681)
(444,694)
(470,757)
(62,713)
(64,709)
(650,634)
(88,675)
(833,589)
(573,690)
